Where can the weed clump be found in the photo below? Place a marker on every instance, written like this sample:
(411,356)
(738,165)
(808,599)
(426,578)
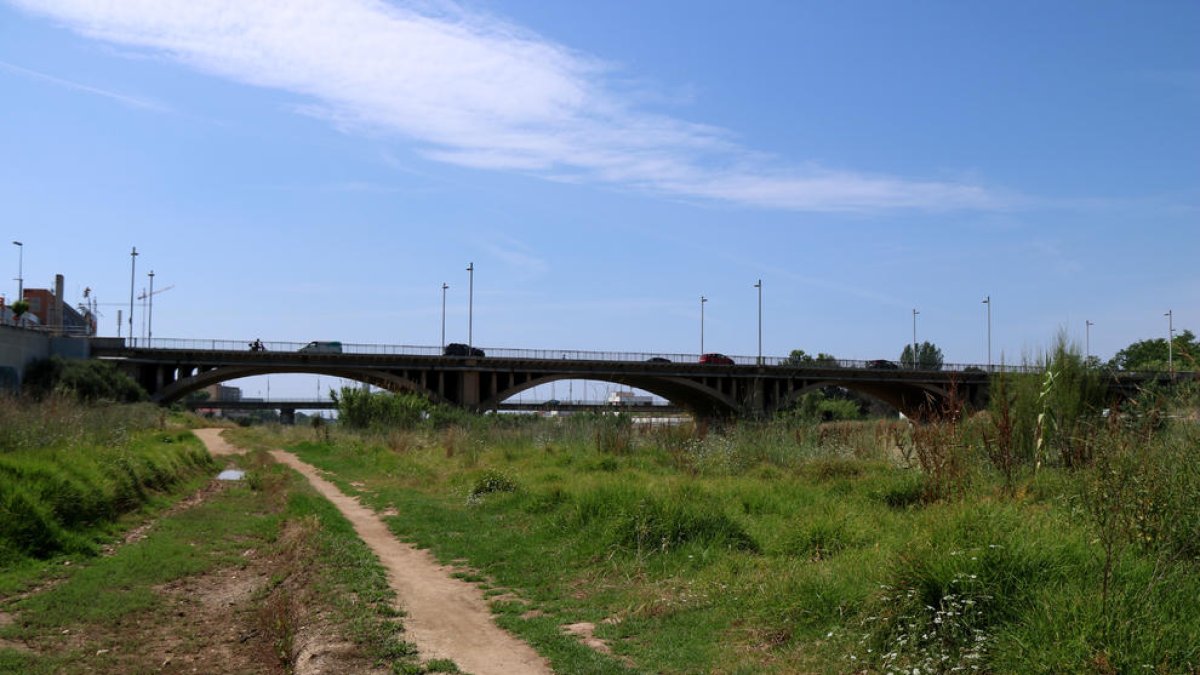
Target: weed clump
(649,523)
(491,481)
(822,538)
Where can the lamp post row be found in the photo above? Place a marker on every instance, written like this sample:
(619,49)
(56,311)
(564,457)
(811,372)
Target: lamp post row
(1170,314)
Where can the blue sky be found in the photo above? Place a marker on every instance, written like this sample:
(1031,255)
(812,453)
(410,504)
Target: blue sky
(317,169)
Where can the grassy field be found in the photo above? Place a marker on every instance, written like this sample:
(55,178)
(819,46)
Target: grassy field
(169,570)
(768,548)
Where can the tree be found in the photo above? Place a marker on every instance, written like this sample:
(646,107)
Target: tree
(799,357)
(1152,355)
(19,309)
(929,356)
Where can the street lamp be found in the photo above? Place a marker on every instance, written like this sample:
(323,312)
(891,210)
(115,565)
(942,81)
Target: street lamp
(702,301)
(150,313)
(444,287)
(1170,340)
(132,270)
(20,270)
(1087,340)
(988,301)
(470,306)
(759,287)
(914,337)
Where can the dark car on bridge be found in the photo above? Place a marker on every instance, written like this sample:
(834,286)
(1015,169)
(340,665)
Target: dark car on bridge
(882,364)
(459,349)
(716,359)
(657,359)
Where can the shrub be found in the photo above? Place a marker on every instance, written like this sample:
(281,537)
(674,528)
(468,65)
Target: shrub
(362,409)
(491,481)
(86,380)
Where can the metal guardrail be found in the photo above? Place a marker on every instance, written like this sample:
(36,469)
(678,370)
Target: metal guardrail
(561,354)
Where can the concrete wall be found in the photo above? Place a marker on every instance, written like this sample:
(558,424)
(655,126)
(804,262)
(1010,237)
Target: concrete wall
(18,348)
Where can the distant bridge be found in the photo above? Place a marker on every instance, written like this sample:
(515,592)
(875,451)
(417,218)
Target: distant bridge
(288,407)
(170,369)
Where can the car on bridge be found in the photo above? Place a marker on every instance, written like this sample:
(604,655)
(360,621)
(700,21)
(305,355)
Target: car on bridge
(320,347)
(459,349)
(716,359)
(883,364)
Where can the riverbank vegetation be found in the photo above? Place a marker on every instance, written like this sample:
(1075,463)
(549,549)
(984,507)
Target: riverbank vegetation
(69,470)
(1055,531)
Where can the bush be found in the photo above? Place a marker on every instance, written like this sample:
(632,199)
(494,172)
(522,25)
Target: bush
(361,409)
(86,380)
(491,481)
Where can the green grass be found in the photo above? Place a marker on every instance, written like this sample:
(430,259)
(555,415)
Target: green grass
(759,551)
(65,496)
(339,571)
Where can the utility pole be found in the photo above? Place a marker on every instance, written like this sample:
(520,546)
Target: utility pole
(132,272)
(914,352)
(759,287)
(702,301)
(20,270)
(150,318)
(470,307)
(1170,340)
(1087,340)
(988,301)
(444,287)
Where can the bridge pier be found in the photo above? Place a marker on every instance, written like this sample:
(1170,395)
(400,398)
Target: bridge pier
(287,416)
(468,390)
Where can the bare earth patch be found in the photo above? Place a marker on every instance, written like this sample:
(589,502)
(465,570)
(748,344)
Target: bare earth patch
(586,632)
(446,618)
(252,618)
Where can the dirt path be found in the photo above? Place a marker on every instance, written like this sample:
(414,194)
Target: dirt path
(446,618)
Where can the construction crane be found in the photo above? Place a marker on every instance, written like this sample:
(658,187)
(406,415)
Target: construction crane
(144,297)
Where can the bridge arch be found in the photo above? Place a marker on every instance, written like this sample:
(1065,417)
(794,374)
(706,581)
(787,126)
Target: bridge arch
(205,378)
(701,400)
(909,398)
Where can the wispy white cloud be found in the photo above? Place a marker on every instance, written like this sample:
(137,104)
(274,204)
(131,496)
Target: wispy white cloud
(478,91)
(515,254)
(124,99)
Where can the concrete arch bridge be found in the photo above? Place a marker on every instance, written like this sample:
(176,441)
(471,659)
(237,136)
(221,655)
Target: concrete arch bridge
(170,369)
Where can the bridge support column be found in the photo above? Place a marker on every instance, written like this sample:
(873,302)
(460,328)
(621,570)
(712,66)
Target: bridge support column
(468,395)
(287,416)
(754,398)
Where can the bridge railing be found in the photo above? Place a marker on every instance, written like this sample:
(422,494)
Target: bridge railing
(655,359)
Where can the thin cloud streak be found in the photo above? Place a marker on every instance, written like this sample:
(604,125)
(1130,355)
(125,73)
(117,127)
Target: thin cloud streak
(480,92)
(124,99)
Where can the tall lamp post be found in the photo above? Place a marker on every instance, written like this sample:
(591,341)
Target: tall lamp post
(150,313)
(914,352)
(470,306)
(1170,340)
(444,287)
(132,271)
(759,287)
(988,301)
(702,301)
(1087,340)
(20,270)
